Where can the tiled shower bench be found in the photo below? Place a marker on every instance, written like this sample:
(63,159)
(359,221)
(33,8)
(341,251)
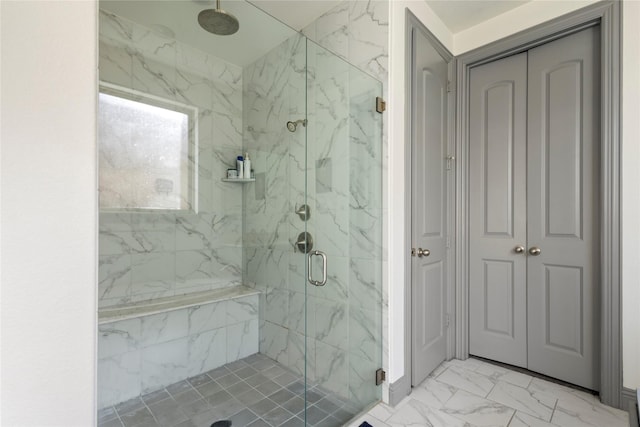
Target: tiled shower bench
(147,345)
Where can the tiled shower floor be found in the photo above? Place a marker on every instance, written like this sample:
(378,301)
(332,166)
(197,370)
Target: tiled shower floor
(255,392)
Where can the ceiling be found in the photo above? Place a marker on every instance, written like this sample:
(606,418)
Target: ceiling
(259,32)
(459,15)
(296,13)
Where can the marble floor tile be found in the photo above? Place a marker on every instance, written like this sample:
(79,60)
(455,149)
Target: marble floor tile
(382,412)
(476,393)
(498,373)
(477,410)
(520,419)
(531,402)
(416,413)
(467,380)
(433,393)
(581,413)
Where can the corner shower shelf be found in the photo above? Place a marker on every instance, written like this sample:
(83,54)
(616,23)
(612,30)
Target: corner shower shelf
(238,180)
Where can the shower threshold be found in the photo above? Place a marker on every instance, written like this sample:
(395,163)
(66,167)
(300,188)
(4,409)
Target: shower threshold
(252,392)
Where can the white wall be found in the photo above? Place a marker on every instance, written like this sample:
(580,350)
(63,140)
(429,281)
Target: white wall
(630,194)
(48,213)
(398,247)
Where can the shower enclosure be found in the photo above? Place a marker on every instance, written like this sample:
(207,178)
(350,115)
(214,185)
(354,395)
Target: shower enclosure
(253,300)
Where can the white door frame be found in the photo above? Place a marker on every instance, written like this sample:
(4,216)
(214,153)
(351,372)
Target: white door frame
(607,13)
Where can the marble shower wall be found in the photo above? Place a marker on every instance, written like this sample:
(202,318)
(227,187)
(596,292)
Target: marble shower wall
(358,31)
(341,168)
(145,255)
(274,93)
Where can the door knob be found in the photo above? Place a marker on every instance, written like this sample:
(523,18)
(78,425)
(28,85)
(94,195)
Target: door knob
(519,249)
(535,251)
(423,252)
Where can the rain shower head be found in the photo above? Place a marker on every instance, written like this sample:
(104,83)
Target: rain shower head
(292,126)
(217,21)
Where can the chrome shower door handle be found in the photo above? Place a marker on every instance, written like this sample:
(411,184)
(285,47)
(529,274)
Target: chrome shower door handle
(324,268)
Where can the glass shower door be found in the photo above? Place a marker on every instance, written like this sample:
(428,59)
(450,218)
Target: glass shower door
(344,265)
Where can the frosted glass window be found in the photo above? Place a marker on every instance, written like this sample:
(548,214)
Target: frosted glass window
(145,147)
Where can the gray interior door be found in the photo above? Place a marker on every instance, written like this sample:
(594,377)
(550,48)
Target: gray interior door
(429,197)
(534,197)
(497,188)
(563,192)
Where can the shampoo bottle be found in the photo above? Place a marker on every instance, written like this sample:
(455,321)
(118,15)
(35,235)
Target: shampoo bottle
(239,166)
(247,166)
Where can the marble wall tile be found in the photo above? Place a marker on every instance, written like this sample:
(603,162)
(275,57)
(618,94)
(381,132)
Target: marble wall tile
(115,27)
(193,232)
(153,221)
(193,268)
(277,306)
(164,327)
(242,340)
(119,337)
(332,323)
(362,388)
(332,30)
(152,272)
(116,65)
(164,364)
(119,378)
(296,314)
(273,342)
(242,309)
(151,77)
(140,242)
(136,57)
(207,350)
(226,266)
(332,368)
(368,36)
(299,361)
(365,283)
(365,334)
(207,317)
(114,277)
(114,221)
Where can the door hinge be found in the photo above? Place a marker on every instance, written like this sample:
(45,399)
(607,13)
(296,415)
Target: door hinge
(381,376)
(381,105)
(448,242)
(450,160)
(448,86)
(447,320)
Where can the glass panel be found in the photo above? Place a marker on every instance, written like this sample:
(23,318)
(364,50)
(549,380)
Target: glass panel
(210,310)
(344,317)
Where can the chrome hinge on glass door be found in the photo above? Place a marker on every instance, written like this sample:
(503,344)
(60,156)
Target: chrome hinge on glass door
(324,268)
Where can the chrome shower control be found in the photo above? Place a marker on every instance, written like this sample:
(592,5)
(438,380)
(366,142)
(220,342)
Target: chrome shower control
(304,212)
(304,242)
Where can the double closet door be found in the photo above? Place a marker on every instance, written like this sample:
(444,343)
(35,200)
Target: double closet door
(534,209)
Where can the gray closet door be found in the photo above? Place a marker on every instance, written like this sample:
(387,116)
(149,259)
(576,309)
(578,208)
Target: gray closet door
(563,192)
(497,185)
(537,308)
(429,202)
